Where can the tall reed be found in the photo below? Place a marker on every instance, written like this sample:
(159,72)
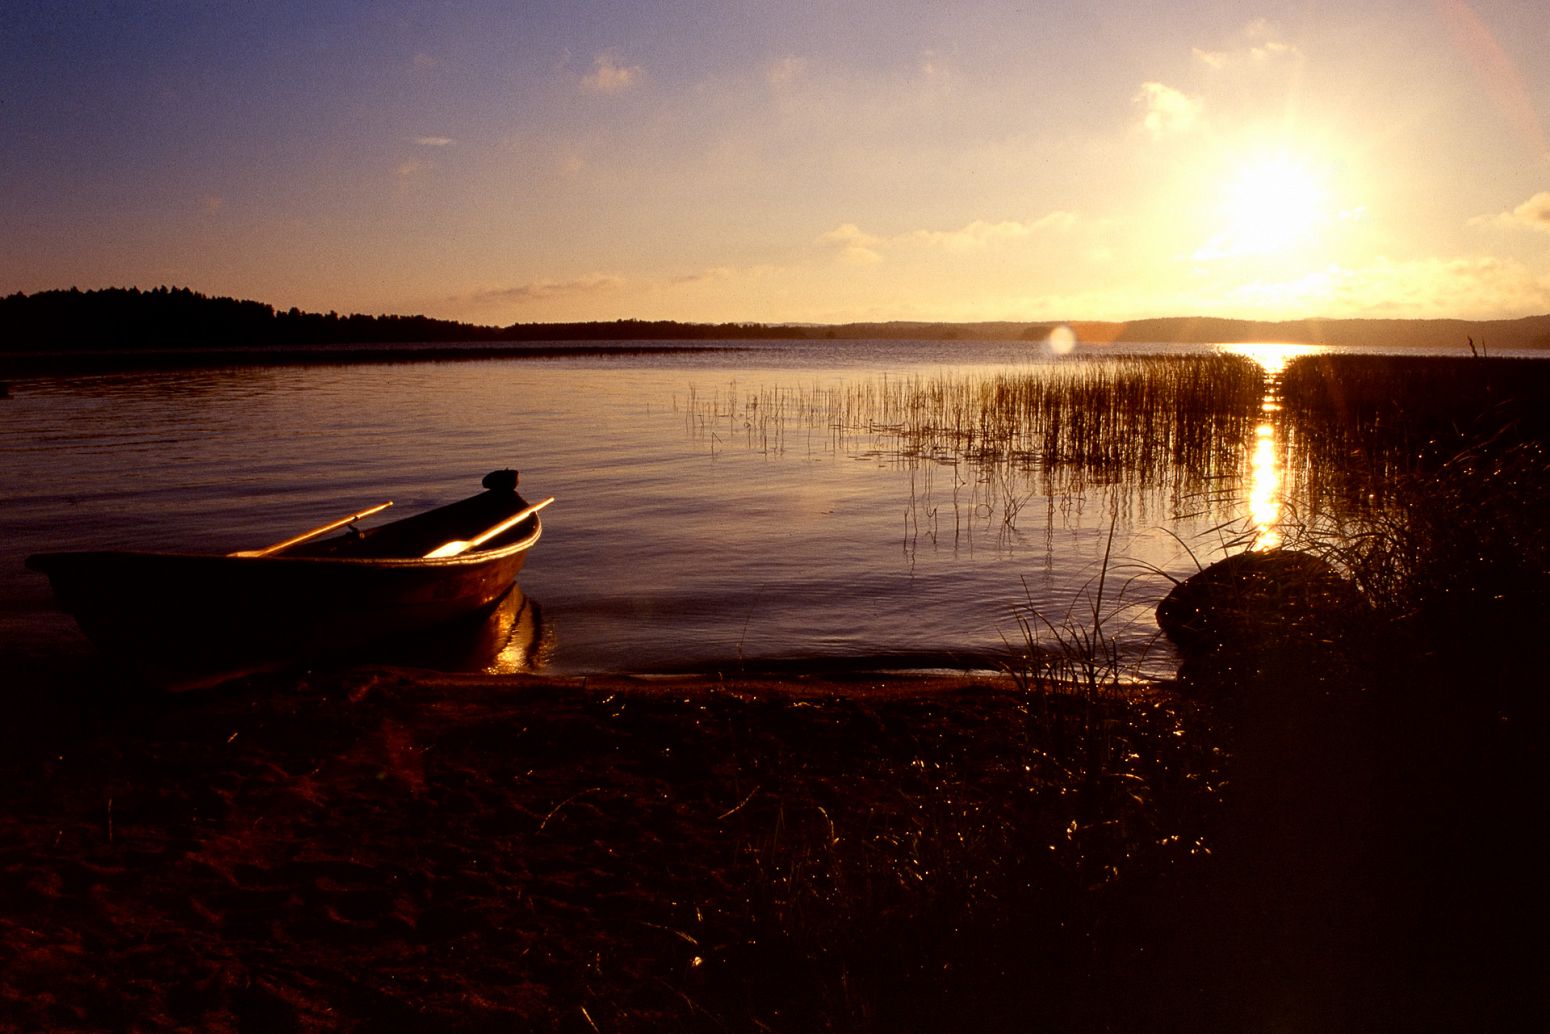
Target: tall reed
(1428,481)
(1053,429)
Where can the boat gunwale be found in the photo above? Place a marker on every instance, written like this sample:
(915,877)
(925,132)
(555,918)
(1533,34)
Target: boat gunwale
(43,562)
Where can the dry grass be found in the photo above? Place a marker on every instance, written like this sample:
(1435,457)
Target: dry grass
(390,852)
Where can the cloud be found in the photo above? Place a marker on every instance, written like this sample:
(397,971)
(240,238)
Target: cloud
(1167,110)
(1533,214)
(549,290)
(1259,55)
(786,70)
(608,76)
(857,246)
(1469,288)
(933,66)
(714,275)
(980,234)
(725,290)
(1259,46)
(425,61)
(433,141)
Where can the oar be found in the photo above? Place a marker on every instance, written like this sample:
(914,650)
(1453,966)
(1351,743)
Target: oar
(315,532)
(460,546)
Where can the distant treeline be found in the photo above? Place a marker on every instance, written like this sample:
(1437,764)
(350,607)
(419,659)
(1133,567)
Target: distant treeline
(166,318)
(178,318)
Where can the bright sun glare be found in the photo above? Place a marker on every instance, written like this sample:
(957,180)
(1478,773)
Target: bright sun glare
(1269,206)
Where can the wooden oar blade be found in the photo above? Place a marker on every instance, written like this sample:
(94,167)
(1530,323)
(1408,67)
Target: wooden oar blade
(322,529)
(459,546)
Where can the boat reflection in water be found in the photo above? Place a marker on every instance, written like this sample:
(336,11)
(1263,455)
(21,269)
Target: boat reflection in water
(511,639)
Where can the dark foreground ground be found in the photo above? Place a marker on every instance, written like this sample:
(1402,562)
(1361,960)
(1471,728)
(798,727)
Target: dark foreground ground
(380,849)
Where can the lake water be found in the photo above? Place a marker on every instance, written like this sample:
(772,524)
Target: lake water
(693,529)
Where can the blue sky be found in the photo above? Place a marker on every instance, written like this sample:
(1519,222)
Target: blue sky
(504,162)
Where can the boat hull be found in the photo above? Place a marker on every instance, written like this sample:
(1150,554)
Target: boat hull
(180,620)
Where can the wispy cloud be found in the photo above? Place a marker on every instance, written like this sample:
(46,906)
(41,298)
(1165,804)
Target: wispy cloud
(433,141)
(1533,214)
(716,274)
(858,246)
(854,245)
(981,233)
(1259,44)
(409,174)
(1470,288)
(609,76)
(933,66)
(1166,110)
(786,70)
(549,290)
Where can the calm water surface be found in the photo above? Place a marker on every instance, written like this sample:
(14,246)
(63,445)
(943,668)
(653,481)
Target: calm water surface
(689,532)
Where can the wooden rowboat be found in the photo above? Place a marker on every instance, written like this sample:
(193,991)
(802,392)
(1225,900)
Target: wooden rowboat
(186,619)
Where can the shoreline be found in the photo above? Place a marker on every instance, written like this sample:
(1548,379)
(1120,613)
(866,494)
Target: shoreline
(68,363)
(77,362)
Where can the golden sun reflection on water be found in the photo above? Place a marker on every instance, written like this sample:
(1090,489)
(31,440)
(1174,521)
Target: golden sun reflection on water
(1265,489)
(1271,356)
(1266,483)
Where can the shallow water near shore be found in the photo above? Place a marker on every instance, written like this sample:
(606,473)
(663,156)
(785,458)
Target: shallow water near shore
(691,532)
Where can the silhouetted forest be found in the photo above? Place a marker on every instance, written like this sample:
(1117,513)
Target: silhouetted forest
(177,318)
(171,318)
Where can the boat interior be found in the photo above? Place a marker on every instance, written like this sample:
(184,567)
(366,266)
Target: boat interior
(415,536)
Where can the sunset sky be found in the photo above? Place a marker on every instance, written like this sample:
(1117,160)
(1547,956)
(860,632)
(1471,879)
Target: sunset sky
(785,161)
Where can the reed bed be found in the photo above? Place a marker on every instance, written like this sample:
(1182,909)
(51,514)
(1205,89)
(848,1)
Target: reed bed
(1428,481)
(1359,424)
(1054,429)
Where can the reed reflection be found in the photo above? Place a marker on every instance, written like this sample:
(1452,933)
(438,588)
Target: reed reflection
(1143,433)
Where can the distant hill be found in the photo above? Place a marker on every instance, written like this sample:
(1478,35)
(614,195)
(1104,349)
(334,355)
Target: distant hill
(1528,332)
(168,318)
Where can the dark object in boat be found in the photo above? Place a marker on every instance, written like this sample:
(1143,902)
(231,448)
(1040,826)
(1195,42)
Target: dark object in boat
(180,620)
(1255,599)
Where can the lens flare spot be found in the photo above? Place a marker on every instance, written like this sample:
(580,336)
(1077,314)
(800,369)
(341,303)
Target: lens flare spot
(1062,340)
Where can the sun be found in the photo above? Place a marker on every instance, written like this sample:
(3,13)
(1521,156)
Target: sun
(1269,206)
